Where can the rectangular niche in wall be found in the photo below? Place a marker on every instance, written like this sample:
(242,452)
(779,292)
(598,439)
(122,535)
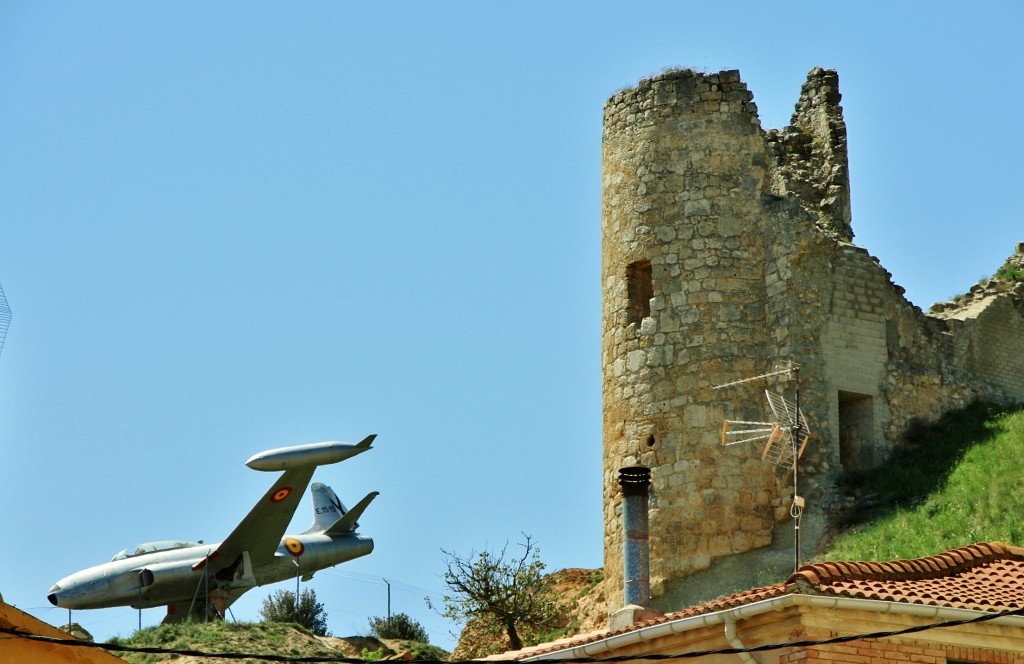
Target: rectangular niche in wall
(639,291)
(856,430)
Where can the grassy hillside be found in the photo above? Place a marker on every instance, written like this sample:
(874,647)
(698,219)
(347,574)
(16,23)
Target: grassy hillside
(262,638)
(954,483)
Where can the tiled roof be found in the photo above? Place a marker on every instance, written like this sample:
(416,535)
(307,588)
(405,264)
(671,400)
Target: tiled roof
(984,577)
(739,599)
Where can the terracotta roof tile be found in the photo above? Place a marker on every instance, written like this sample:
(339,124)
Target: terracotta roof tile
(739,599)
(973,577)
(984,577)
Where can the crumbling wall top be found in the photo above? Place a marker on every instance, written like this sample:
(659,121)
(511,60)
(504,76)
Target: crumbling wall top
(687,89)
(810,155)
(1008,279)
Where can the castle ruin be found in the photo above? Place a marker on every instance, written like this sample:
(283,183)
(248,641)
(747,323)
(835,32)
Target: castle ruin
(728,252)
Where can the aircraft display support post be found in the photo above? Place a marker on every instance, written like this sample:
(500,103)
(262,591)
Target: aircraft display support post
(298,577)
(797,509)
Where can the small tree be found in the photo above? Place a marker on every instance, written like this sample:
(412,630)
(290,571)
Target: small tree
(504,594)
(398,626)
(280,607)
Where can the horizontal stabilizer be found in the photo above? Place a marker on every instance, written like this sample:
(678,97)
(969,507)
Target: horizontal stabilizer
(347,523)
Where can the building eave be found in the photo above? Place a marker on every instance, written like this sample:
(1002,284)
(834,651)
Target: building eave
(747,611)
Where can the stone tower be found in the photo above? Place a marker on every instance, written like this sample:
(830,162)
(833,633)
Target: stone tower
(726,252)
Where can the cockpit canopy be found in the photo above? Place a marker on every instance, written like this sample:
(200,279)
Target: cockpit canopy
(153,547)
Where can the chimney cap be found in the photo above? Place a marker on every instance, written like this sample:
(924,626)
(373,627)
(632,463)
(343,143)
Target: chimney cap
(635,480)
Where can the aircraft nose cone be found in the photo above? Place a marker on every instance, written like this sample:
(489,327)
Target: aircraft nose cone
(53,594)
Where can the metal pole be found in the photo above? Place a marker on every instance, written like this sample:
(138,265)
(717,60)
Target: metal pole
(297,577)
(389,599)
(797,509)
(206,580)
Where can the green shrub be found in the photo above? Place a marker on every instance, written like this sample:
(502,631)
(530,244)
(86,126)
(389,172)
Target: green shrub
(281,607)
(398,626)
(1008,273)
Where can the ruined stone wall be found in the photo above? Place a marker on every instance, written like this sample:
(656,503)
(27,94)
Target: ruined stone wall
(726,254)
(992,359)
(856,348)
(810,155)
(989,331)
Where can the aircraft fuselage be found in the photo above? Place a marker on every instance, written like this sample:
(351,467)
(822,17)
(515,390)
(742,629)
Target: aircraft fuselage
(178,575)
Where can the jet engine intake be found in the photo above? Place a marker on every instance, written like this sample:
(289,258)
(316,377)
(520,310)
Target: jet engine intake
(161,577)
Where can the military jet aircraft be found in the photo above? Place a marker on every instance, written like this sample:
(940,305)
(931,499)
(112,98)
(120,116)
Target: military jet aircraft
(196,580)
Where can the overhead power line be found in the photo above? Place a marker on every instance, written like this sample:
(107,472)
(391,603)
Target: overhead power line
(379,580)
(622,658)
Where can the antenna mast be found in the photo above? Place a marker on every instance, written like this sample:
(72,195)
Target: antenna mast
(785,438)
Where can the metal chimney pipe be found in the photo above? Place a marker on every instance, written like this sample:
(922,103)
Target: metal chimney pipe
(635,482)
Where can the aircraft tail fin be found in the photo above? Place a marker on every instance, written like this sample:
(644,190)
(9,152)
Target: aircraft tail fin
(347,523)
(327,509)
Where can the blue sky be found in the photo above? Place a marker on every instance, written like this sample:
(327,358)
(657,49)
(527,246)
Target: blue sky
(227,227)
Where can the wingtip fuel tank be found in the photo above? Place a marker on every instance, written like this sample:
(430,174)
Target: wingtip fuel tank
(312,454)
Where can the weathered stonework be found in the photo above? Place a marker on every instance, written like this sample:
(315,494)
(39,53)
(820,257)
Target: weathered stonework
(727,250)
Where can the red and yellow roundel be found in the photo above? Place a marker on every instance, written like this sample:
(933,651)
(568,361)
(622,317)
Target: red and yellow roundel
(294,546)
(281,494)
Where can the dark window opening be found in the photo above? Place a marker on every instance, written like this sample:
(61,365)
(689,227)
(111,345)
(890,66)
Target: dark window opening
(856,431)
(639,291)
(650,440)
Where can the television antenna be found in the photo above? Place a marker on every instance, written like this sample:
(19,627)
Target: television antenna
(5,318)
(784,437)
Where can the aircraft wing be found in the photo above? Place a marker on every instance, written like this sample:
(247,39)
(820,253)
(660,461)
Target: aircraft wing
(261,530)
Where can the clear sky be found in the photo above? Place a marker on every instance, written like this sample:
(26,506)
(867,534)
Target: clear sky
(232,226)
